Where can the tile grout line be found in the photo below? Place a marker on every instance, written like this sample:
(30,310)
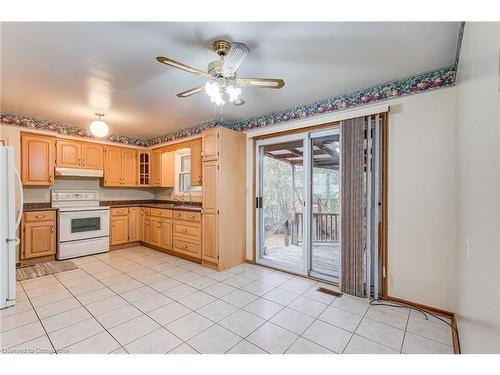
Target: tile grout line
(39,320)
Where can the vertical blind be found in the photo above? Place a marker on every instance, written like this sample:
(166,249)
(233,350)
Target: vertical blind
(360,206)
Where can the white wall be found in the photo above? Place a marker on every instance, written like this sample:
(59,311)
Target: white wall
(478,190)
(420,194)
(421,199)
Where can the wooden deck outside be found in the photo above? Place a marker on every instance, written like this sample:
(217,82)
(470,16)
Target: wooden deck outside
(325,256)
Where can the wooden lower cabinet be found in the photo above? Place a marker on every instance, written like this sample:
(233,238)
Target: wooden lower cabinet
(209,239)
(173,231)
(134,224)
(38,237)
(119,229)
(166,234)
(145,230)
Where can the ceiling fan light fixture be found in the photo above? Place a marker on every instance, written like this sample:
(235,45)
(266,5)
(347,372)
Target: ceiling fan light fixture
(99,128)
(213,90)
(233,92)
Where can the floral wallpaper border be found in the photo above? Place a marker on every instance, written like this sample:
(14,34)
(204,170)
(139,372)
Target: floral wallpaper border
(60,128)
(439,78)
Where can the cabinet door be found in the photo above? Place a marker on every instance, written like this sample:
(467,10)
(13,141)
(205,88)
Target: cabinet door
(167,169)
(196,162)
(39,239)
(112,166)
(210,186)
(144,168)
(155,231)
(146,227)
(210,246)
(69,153)
(166,234)
(37,159)
(210,139)
(92,156)
(134,224)
(155,167)
(209,241)
(129,167)
(119,230)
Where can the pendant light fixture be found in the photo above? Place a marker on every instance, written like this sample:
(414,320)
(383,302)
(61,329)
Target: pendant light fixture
(98,127)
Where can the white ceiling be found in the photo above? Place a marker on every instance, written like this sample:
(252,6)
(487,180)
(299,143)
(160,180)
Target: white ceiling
(68,71)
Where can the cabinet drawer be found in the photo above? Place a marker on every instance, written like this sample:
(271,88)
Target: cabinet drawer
(187,215)
(119,211)
(39,215)
(187,247)
(188,230)
(161,212)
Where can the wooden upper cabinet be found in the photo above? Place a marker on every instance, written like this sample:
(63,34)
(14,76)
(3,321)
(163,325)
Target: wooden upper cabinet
(129,167)
(37,159)
(167,169)
(112,166)
(92,156)
(155,167)
(210,144)
(144,168)
(68,153)
(195,147)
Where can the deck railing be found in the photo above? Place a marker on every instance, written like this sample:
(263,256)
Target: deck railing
(324,227)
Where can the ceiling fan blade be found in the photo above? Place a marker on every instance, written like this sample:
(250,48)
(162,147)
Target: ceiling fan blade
(267,83)
(178,65)
(236,55)
(194,90)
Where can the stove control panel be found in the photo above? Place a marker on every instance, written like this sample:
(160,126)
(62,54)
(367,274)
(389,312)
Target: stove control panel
(74,195)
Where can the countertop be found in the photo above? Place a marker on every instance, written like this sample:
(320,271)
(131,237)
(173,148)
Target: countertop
(195,207)
(170,205)
(45,206)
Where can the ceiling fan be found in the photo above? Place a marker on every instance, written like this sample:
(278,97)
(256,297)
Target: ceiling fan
(223,80)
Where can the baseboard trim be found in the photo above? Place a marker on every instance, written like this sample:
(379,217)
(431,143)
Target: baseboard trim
(437,311)
(124,246)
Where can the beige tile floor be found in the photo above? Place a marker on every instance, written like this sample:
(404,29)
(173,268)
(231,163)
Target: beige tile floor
(138,300)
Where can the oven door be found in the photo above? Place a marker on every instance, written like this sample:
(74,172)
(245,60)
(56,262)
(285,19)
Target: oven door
(80,225)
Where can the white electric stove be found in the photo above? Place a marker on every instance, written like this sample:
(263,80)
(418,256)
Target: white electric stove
(83,226)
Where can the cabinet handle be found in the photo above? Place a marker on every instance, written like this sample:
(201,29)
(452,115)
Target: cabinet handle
(39,216)
(52,229)
(185,230)
(79,161)
(185,246)
(84,162)
(159,225)
(191,216)
(50,178)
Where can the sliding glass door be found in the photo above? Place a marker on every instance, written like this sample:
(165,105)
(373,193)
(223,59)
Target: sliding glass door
(281,203)
(325,204)
(298,203)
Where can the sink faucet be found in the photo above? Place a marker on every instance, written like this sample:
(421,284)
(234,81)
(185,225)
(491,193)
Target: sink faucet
(190,197)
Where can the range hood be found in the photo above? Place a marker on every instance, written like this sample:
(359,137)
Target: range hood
(78,172)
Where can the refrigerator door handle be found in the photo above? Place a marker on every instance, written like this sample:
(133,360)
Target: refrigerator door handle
(16,240)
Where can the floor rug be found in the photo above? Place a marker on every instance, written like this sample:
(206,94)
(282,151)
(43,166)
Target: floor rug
(44,269)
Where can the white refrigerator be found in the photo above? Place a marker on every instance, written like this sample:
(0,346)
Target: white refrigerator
(10,217)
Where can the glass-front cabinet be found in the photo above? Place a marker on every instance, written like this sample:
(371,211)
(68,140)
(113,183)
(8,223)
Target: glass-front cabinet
(144,166)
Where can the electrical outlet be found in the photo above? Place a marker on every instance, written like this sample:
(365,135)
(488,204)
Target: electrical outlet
(467,248)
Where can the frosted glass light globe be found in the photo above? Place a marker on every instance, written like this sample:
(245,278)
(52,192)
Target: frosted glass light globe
(99,128)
